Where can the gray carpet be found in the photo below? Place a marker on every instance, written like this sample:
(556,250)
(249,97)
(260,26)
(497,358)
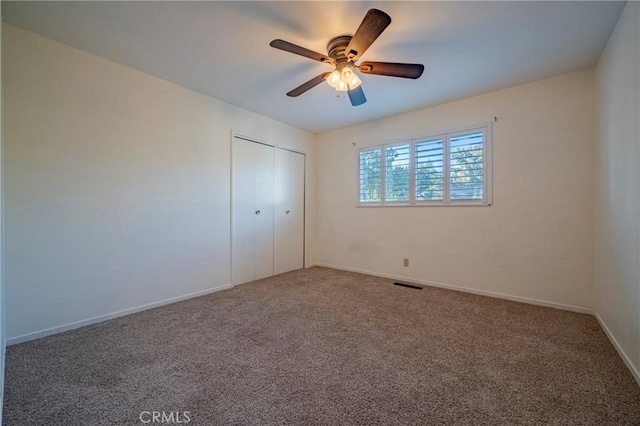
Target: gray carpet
(320,346)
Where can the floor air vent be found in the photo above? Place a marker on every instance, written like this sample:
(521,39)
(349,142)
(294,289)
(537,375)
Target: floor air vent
(408,285)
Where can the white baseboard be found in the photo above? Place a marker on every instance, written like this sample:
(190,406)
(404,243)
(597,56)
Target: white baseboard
(70,326)
(521,299)
(623,355)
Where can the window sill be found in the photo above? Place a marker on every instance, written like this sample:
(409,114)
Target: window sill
(426,205)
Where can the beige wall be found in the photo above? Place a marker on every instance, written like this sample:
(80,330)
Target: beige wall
(117,186)
(535,242)
(617,236)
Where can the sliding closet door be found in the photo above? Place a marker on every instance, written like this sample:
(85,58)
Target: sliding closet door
(267,211)
(263,214)
(296,185)
(288,211)
(243,210)
(252,208)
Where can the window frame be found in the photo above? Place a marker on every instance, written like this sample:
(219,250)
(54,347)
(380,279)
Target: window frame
(485,201)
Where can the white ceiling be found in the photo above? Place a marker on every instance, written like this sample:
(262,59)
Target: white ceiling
(222,48)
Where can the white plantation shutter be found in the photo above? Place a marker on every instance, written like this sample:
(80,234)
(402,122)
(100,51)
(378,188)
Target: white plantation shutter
(429,170)
(466,169)
(398,173)
(370,164)
(448,169)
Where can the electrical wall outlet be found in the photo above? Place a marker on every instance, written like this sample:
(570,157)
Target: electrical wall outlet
(405,262)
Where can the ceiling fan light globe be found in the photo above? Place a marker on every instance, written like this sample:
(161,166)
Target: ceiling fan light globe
(333,79)
(343,79)
(354,81)
(350,77)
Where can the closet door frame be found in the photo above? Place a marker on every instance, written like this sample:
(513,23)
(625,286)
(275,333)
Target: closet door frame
(253,139)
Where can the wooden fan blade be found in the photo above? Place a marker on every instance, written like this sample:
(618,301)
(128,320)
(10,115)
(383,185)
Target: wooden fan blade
(298,50)
(308,85)
(373,24)
(356,96)
(392,69)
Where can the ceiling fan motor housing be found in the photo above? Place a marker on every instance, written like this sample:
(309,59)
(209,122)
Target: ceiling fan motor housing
(336,48)
(344,78)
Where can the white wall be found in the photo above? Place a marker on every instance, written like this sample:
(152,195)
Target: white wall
(535,242)
(617,219)
(117,186)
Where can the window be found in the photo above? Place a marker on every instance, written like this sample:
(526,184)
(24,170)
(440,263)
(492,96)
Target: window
(397,173)
(466,170)
(429,170)
(448,169)
(370,176)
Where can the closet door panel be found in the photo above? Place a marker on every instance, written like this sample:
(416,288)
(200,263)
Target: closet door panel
(244,182)
(289,211)
(263,213)
(296,216)
(280,203)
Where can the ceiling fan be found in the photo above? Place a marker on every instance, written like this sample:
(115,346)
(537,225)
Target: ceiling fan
(344,51)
